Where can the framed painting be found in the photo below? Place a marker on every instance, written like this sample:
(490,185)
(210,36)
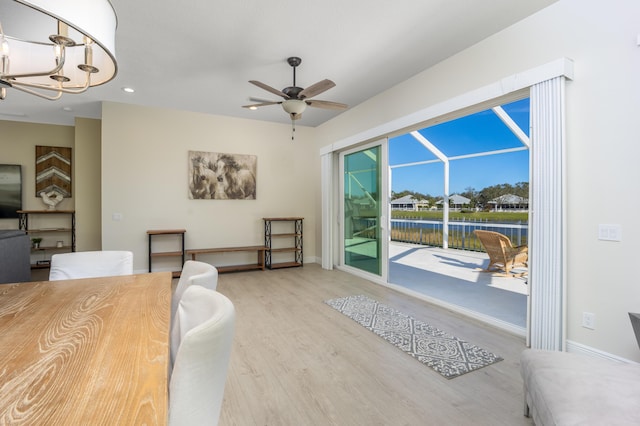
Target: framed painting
(53,170)
(216,176)
(10,190)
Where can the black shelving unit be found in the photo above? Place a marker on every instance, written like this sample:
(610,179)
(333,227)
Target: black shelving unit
(292,241)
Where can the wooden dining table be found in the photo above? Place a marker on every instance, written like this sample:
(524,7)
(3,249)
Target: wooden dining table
(86,351)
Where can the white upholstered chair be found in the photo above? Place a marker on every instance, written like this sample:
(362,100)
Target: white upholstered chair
(90,264)
(193,272)
(205,323)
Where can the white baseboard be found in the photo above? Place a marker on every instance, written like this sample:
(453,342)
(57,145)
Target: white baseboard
(579,348)
(311,259)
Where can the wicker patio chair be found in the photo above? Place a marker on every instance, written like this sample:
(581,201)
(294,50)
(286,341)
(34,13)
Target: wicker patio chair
(503,256)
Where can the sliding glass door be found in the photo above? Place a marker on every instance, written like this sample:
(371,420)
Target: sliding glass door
(363,212)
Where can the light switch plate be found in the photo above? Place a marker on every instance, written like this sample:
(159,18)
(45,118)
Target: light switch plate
(589,320)
(609,232)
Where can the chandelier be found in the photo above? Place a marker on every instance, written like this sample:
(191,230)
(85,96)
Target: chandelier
(51,47)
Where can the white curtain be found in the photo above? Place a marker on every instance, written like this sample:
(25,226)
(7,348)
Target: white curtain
(547,275)
(326,194)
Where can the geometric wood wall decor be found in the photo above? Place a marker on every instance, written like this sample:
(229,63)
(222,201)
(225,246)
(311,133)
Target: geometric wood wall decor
(53,170)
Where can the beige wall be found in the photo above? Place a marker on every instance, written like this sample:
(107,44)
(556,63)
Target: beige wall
(87,193)
(17,146)
(602,102)
(144,179)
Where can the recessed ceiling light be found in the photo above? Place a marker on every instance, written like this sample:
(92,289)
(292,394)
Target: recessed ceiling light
(128,89)
(67,109)
(253,108)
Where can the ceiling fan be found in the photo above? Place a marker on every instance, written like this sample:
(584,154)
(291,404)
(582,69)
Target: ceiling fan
(296,98)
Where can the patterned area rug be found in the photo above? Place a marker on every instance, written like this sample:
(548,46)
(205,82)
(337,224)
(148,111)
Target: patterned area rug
(446,354)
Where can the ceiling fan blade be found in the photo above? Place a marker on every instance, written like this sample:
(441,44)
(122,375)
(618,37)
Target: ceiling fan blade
(326,104)
(260,104)
(268,88)
(316,89)
(259,100)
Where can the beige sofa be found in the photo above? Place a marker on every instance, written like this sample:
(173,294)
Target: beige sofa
(570,389)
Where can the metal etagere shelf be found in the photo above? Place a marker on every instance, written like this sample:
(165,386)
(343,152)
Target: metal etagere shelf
(55,239)
(273,260)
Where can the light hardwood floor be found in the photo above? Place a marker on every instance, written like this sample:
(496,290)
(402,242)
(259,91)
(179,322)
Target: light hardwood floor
(296,361)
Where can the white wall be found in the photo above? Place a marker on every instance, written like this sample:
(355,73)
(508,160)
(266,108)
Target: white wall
(603,149)
(144,178)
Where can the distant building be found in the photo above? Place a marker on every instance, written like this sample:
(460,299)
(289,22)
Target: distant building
(456,202)
(409,203)
(509,202)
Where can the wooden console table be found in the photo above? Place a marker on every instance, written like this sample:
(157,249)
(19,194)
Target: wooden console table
(171,233)
(234,268)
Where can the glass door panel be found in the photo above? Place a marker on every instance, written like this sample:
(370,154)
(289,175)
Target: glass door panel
(362,210)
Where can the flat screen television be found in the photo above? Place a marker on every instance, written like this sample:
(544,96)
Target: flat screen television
(10,190)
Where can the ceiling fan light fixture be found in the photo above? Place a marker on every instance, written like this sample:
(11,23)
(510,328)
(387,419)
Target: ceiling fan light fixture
(296,98)
(294,106)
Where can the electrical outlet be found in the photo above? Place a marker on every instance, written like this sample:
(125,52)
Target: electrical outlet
(589,320)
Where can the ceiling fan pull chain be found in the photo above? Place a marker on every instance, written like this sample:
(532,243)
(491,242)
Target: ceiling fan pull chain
(293,130)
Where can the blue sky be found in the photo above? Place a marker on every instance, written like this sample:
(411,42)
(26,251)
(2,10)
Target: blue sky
(479,132)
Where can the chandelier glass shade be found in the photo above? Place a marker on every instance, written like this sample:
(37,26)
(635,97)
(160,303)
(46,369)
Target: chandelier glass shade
(51,47)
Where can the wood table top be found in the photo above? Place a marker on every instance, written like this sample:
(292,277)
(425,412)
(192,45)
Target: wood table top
(85,352)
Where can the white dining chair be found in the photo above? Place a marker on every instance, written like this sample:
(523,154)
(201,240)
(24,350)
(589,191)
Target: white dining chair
(90,264)
(193,273)
(205,325)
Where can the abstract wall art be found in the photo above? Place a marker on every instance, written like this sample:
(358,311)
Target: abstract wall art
(216,176)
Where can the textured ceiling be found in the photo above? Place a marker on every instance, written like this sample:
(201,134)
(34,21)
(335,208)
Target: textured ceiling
(199,55)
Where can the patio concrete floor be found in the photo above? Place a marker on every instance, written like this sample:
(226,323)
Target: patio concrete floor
(456,277)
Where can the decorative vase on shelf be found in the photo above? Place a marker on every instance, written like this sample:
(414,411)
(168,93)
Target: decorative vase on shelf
(51,198)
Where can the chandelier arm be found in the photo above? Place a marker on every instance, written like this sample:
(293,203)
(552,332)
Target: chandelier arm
(79,89)
(41,95)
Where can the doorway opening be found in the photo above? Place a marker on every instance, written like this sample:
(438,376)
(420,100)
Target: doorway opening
(448,180)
